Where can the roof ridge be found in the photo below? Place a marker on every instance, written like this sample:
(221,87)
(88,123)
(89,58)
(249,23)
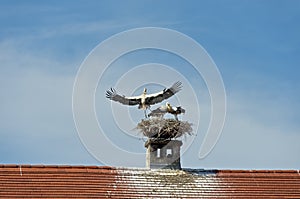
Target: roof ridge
(193,170)
(55,166)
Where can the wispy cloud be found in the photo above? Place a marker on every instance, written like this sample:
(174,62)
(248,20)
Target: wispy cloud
(257,134)
(43,44)
(36,111)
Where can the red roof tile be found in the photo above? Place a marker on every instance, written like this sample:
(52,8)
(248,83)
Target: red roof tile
(41,181)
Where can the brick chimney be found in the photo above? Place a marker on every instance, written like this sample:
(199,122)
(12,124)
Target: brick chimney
(163,154)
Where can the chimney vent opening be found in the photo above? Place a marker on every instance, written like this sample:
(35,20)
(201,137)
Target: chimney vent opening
(158,153)
(169,153)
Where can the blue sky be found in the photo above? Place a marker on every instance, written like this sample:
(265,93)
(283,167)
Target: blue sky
(255,45)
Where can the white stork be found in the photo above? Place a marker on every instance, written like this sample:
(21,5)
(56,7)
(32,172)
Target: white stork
(161,111)
(144,100)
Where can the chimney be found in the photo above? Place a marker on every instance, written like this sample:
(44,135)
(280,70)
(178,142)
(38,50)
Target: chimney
(163,154)
(163,144)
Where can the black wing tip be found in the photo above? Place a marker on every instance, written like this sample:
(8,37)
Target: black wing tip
(182,110)
(177,86)
(110,93)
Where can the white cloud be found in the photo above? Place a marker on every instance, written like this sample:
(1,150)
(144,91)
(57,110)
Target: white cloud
(36,109)
(258,134)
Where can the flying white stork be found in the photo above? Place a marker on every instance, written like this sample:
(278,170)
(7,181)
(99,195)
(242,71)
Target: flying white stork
(161,111)
(144,100)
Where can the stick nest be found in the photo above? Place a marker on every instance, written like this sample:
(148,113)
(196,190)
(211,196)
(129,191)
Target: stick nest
(164,128)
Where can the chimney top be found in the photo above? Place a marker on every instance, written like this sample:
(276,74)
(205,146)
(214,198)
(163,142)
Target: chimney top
(163,154)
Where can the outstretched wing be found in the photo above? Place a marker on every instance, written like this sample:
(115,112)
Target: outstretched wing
(165,94)
(112,95)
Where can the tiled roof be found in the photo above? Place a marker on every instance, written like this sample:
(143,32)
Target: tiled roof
(108,182)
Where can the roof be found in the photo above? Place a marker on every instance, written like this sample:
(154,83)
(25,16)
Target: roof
(110,182)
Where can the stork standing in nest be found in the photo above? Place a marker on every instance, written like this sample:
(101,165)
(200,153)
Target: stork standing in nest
(161,111)
(144,101)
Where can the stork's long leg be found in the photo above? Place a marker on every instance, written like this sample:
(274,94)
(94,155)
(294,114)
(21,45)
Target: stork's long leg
(176,117)
(145,111)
